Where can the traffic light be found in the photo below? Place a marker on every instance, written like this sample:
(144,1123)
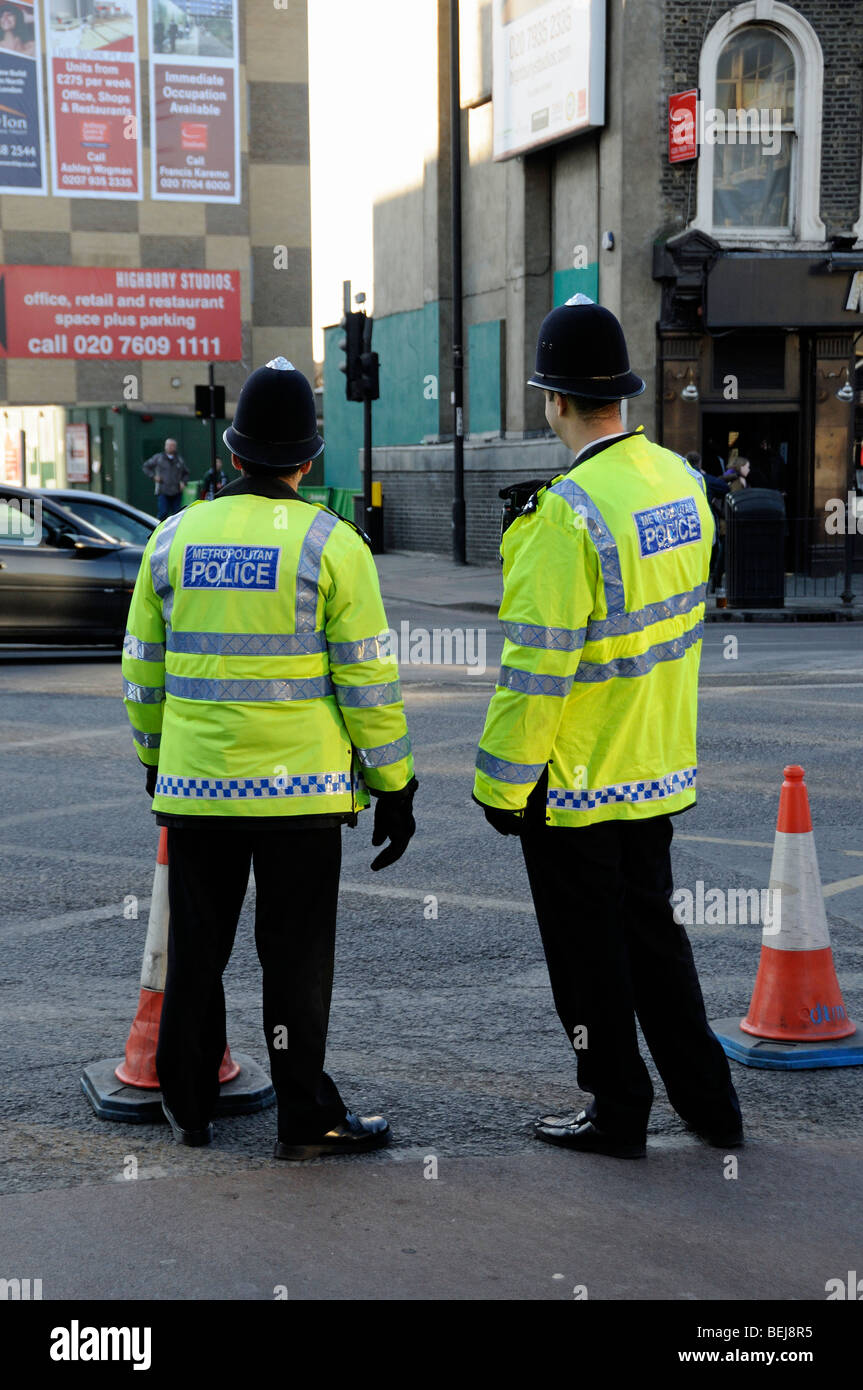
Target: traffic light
(369,374)
(202,403)
(352,346)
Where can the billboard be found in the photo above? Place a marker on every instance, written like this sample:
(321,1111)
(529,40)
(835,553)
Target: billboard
(94,101)
(548,73)
(194,107)
(22,132)
(77,453)
(115,315)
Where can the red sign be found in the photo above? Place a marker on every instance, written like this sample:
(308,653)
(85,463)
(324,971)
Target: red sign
(13,457)
(77,453)
(198,158)
(682,126)
(118,315)
(94,101)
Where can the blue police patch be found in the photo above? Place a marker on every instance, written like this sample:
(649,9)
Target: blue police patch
(667,527)
(231,567)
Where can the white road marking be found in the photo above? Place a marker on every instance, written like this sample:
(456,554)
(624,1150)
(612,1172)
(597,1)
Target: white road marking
(842,885)
(65,738)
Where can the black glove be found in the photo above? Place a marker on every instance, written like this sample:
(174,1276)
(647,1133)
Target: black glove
(394,822)
(504,822)
(152,774)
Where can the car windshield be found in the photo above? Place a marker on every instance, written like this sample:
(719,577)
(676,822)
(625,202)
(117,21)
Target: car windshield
(120,525)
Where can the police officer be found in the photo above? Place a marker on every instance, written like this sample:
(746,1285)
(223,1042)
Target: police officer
(589,741)
(266,705)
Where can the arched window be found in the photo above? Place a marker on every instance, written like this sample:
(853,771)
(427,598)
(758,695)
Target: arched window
(760,158)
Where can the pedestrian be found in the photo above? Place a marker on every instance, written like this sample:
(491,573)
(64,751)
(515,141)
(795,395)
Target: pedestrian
(169,473)
(159,36)
(589,742)
(173,32)
(265,703)
(213,481)
(733,479)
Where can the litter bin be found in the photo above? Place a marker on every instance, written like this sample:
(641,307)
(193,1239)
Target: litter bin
(755,540)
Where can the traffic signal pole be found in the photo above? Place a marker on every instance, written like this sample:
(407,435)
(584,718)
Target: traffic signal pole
(458,506)
(213,455)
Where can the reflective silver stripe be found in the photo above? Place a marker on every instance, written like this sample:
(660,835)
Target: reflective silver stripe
(309,571)
(143,694)
(552,639)
(247,643)
(147,740)
(531,683)
(304,784)
(369,649)
(367,696)
(653,789)
(591,672)
(143,651)
(385,753)
(694,473)
(504,771)
(240,691)
(641,618)
(159,564)
(606,547)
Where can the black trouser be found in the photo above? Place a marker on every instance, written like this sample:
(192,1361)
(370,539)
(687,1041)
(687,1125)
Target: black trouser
(602,898)
(297,883)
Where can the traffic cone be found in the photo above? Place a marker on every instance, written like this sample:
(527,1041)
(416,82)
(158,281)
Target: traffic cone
(797,1017)
(138,1067)
(137,1098)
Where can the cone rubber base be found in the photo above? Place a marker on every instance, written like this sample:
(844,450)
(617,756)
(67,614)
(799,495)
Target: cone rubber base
(786,1056)
(250,1091)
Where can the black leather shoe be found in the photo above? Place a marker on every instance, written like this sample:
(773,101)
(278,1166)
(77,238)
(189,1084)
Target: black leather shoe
(579,1132)
(719,1139)
(192,1138)
(353,1134)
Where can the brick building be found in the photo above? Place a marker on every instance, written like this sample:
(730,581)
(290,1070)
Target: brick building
(733,273)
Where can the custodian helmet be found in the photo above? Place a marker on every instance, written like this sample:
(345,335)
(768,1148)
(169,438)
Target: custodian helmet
(275,425)
(581,351)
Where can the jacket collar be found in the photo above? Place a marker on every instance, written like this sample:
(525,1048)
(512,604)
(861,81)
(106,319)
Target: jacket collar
(261,486)
(599,444)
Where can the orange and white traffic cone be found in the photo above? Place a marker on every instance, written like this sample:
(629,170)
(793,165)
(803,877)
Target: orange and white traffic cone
(797,1017)
(136,1071)
(138,1067)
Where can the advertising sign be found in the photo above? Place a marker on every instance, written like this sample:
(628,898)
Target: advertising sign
(94,98)
(194,111)
(549,71)
(77,453)
(95,312)
(22,133)
(14,453)
(682,126)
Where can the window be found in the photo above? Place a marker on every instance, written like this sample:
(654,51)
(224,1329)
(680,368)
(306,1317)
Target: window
(760,158)
(114,522)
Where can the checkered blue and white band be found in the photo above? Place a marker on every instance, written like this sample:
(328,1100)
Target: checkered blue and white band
(302,784)
(656,789)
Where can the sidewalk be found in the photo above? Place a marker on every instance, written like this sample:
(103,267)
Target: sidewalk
(418,576)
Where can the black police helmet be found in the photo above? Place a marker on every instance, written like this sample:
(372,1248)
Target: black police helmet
(275,425)
(581,351)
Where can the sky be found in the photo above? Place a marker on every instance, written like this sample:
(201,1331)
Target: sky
(369,76)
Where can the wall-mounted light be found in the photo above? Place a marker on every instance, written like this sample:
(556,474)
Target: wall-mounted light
(846,390)
(176,381)
(690,390)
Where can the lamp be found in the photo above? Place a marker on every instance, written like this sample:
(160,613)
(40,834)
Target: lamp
(690,390)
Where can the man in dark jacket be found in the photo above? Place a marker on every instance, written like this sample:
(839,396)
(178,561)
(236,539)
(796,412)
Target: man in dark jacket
(169,473)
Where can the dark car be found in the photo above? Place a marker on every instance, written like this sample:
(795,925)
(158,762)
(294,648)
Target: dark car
(118,519)
(61,579)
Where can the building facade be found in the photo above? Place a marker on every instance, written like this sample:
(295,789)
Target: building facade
(734,273)
(259,232)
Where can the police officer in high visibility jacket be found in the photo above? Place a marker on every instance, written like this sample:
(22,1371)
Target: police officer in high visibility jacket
(589,742)
(265,702)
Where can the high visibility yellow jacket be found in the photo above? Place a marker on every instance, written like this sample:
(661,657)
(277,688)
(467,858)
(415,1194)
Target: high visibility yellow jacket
(605,576)
(257,665)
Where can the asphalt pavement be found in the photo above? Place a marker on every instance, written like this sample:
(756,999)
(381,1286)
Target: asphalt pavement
(442,1018)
